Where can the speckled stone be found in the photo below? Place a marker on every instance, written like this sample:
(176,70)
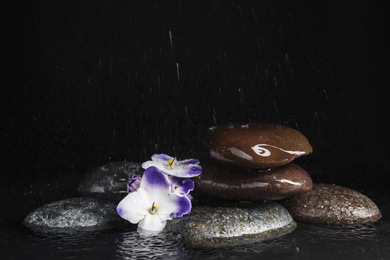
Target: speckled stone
(225,226)
(235,183)
(110,179)
(256,146)
(75,214)
(333,204)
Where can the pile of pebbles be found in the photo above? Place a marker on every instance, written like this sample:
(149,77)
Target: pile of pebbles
(253,163)
(263,193)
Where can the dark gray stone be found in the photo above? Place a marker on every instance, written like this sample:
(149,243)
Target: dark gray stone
(334,205)
(226,227)
(75,214)
(110,179)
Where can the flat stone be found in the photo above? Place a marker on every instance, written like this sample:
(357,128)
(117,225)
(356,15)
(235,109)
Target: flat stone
(225,226)
(74,215)
(333,204)
(256,146)
(110,179)
(235,183)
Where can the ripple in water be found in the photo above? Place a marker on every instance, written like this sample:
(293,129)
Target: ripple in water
(142,245)
(338,233)
(307,241)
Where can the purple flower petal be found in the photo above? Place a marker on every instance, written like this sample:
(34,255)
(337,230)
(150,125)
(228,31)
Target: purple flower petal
(181,186)
(189,161)
(153,178)
(193,171)
(183,206)
(134,183)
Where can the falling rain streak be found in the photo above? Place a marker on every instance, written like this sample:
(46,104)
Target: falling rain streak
(178,72)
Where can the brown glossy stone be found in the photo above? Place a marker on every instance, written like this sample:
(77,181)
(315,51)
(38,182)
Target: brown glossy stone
(256,146)
(234,183)
(332,204)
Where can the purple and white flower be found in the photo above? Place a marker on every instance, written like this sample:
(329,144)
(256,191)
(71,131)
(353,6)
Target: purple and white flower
(169,165)
(153,203)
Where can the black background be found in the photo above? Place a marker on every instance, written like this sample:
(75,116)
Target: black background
(90,82)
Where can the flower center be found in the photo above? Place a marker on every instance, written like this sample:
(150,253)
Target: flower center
(153,210)
(171,163)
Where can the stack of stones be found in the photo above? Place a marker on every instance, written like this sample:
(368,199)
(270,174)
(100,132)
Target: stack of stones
(253,163)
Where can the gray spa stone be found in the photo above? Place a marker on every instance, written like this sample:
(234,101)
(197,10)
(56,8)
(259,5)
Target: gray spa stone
(75,214)
(230,226)
(110,179)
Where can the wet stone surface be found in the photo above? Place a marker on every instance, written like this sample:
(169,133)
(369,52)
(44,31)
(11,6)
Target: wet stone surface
(235,183)
(110,179)
(256,146)
(333,204)
(213,227)
(75,215)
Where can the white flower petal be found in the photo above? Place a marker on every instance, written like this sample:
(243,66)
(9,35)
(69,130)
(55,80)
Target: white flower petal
(148,164)
(174,206)
(163,158)
(135,206)
(152,223)
(168,206)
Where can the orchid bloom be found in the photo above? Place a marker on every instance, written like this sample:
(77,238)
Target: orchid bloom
(169,165)
(153,203)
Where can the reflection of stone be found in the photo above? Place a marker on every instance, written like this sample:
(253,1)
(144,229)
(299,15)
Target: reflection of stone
(75,214)
(256,146)
(230,226)
(253,185)
(110,179)
(332,204)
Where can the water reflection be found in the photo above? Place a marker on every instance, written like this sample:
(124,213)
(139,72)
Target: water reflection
(337,233)
(76,245)
(308,241)
(134,244)
(81,239)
